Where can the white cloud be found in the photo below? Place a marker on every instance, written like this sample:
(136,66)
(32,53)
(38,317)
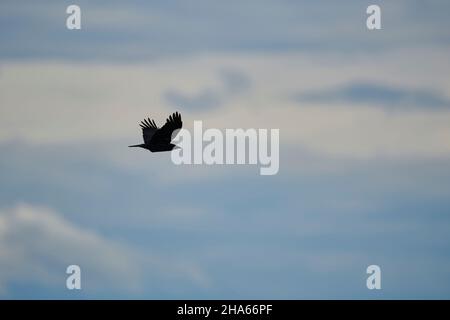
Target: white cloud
(37,245)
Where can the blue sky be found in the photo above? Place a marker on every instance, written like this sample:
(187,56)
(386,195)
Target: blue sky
(364,150)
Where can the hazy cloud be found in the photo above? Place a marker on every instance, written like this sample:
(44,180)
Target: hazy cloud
(138,30)
(203,100)
(377,94)
(37,245)
(234,82)
(231,84)
(64,110)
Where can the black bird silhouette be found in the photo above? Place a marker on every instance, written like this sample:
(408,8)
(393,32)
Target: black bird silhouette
(158,139)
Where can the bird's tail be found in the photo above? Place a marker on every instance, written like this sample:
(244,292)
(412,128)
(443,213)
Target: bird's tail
(136,145)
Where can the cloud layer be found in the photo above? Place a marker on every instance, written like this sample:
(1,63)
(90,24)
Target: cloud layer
(102,104)
(378,94)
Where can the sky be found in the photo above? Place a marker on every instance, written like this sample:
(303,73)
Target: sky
(364,174)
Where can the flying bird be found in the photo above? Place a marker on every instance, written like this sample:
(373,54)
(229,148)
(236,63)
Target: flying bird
(158,139)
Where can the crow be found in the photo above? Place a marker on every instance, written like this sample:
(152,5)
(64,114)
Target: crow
(158,139)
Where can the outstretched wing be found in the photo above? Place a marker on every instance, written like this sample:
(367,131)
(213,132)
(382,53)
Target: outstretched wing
(164,134)
(148,129)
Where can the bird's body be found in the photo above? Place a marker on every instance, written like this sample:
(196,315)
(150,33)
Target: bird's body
(156,148)
(159,139)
